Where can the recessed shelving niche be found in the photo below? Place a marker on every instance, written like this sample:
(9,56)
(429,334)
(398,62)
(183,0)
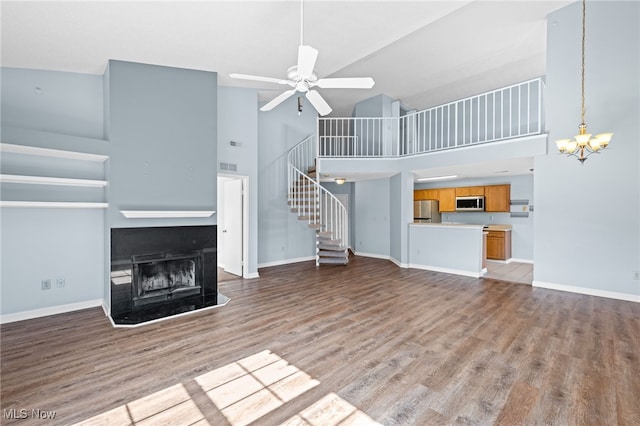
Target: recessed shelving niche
(21,185)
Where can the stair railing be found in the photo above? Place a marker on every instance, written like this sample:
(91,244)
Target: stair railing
(309,198)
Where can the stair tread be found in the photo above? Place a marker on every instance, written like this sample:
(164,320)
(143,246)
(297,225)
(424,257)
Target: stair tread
(329,253)
(332,247)
(333,260)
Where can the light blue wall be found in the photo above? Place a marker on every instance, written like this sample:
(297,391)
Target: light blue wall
(372,221)
(587,231)
(401,214)
(349,189)
(238,122)
(281,236)
(70,103)
(521,189)
(39,244)
(163,142)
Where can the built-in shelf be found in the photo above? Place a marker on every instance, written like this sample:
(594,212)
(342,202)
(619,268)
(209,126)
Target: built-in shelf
(47,152)
(43,180)
(165,214)
(54,204)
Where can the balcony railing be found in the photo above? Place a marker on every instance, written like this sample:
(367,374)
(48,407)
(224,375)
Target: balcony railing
(510,112)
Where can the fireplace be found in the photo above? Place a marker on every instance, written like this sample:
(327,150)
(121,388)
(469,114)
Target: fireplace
(162,271)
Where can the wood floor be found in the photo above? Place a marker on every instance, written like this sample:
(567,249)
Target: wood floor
(369,343)
(517,272)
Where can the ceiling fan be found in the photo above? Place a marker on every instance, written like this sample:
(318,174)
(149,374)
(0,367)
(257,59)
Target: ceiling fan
(303,78)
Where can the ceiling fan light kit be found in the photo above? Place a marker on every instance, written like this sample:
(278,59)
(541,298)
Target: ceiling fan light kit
(302,78)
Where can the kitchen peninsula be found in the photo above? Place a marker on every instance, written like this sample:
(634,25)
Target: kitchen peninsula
(451,248)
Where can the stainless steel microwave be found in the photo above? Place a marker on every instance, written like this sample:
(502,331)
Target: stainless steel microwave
(470,204)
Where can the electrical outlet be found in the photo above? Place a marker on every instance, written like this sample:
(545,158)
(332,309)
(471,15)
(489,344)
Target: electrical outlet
(60,282)
(636,275)
(46,284)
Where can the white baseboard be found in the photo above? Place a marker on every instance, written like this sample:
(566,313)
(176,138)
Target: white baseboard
(252,275)
(447,270)
(374,255)
(285,261)
(398,263)
(588,291)
(515,259)
(53,310)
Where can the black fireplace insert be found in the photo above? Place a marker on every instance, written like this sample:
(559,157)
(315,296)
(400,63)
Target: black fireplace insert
(162,271)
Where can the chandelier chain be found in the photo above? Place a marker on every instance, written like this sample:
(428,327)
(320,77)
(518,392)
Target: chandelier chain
(584,2)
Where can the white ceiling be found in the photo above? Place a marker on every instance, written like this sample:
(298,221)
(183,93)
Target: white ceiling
(422,53)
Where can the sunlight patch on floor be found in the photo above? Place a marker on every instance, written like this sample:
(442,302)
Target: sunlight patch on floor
(162,407)
(249,388)
(243,391)
(330,410)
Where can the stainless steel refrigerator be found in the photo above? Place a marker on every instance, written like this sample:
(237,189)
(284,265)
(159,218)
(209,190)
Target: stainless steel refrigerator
(426,212)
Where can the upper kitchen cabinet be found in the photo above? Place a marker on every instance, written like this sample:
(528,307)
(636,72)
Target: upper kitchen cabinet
(497,198)
(447,198)
(425,194)
(468,191)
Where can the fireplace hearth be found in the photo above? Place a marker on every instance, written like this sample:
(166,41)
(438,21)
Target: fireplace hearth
(162,271)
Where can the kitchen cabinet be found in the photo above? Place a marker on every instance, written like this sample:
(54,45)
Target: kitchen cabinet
(425,194)
(447,199)
(497,198)
(468,191)
(430,194)
(499,244)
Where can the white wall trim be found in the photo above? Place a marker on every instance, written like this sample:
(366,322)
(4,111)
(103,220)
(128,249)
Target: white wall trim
(588,291)
(250,276)
(446,270)
(285,261)
(52,310)
(398,263)
(515,259)
(374,255)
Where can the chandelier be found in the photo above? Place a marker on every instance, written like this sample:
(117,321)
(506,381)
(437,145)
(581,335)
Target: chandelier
(583,145)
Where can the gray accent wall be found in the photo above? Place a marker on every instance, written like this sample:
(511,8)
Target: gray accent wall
(587,230)
(163,142)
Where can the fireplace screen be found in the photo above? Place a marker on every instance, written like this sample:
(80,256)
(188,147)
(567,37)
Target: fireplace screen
(166,277)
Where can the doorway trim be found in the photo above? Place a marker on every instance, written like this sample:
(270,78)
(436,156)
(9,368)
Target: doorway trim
(245,221)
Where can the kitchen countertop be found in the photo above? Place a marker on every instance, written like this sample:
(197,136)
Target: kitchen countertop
(503,228)
(447,225)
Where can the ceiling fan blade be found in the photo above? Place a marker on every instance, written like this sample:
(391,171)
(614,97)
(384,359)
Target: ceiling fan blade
(258,78)
(278,100)
(318,102)
(346,83)
(307,56)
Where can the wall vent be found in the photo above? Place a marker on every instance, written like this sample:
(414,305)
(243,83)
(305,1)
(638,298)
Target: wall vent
(228,166)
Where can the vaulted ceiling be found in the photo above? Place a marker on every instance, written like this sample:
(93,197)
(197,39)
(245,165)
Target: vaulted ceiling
(422,53)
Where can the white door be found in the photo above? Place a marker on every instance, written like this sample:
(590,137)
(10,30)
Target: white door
(232,227)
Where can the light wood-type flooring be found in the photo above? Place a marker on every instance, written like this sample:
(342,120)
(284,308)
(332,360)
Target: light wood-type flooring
(369,343)
(517,272)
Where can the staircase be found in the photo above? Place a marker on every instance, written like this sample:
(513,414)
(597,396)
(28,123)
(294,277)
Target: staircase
(316,206)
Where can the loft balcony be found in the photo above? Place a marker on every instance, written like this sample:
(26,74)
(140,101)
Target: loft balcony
(511,112)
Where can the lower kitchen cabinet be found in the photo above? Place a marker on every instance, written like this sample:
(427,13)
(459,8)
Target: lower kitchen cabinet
(499,245)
